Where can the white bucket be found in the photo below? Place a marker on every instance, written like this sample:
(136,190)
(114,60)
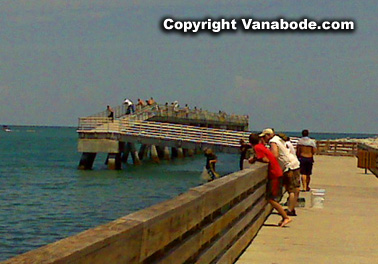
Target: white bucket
(317,198)
(301,202)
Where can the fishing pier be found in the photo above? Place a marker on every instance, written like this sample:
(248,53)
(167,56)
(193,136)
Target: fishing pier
(162,132)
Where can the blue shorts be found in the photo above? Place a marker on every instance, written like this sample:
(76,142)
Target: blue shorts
(306,165)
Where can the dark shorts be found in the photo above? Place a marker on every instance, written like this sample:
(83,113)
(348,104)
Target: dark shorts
(270,195)
(306,165)
(292,180)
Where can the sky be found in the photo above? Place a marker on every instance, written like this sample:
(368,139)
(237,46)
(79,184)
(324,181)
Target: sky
(61,60)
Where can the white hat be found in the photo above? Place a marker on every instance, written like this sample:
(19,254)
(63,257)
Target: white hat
(266,131)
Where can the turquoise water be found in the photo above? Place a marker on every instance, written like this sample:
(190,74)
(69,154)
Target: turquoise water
(43,197)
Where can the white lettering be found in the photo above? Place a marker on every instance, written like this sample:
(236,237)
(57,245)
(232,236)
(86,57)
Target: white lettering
(312,25)
(245,24)
(168,20)
(187,26)
(303,24)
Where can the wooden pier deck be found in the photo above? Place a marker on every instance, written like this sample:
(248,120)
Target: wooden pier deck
(344,231)
(215,223)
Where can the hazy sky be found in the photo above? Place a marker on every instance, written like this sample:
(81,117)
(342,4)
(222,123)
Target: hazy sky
(60,60)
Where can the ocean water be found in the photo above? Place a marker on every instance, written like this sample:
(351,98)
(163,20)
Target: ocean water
(44,198)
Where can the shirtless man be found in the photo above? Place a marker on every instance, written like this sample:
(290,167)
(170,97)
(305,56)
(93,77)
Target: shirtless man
(306,148)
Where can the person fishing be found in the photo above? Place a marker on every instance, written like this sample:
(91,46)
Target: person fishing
(211,159)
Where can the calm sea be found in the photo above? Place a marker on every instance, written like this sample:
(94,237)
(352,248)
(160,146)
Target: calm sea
(43,197)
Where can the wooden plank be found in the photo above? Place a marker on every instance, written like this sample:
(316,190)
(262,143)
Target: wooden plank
(222,222)
(237,248)
(167,221)
(218,246)
(189,247)
(228,188)
(116,242)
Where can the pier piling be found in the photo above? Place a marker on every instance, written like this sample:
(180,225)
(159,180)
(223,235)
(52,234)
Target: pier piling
(167,154)
(180,153)
(86,161)
(134,154)
(154,154)
(114,161)
(125,153)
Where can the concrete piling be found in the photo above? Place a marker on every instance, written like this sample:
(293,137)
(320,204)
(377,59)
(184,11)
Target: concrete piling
(190,152)
(142,151)
(114,161)
(174,153)
(86,161)
(134,154)
(180,153)
(167,153)
(154,154)
(160,151)
(125,153)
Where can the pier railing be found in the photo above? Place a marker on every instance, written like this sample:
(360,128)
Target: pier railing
(120,111)
(103,123)
(336,148)
(159,130)
(196,114)
(128,130)
(368,158)
(172,112)
(212,223)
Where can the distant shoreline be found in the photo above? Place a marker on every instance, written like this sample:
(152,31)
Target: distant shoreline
(13,126)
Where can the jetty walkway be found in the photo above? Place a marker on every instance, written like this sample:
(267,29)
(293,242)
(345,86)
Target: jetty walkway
(344,231)
(215,223)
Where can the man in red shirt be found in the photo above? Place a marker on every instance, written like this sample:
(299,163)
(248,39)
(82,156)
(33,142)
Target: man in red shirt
(274,188)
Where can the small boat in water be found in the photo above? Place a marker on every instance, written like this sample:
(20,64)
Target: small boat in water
(7,129)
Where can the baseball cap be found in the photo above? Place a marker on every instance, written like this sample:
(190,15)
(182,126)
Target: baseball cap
(266,131)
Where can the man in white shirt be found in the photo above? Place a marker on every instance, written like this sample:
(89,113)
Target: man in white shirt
(289,164)
(130,106)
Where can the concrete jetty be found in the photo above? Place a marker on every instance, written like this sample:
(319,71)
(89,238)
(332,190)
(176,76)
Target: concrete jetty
(344,231)
(156,127)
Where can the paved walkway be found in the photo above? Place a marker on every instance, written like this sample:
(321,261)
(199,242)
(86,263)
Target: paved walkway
(344,231)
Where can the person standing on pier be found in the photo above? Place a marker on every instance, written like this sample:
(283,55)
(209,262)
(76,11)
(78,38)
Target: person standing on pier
(151,101)
(306,148)
(288,144)
(289,164)
(130,106)
(187,110)
(275,176)
(211,159)
(176,107)
(141,103)
(110,112)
